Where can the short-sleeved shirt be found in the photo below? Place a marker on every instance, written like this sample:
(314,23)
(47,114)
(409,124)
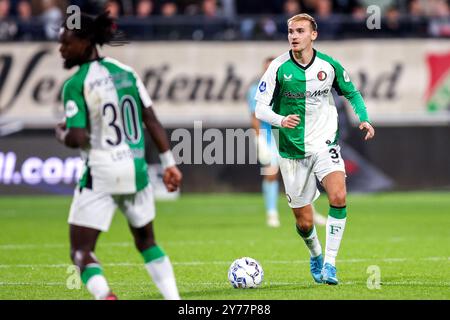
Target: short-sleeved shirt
(106,98)
(290,88)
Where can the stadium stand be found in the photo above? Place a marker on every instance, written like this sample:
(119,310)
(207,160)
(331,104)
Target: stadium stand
(230,20)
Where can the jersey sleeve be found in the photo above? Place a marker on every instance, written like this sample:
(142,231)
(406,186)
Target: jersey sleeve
(74,104)
(345,87)
(268,85)
(143,93)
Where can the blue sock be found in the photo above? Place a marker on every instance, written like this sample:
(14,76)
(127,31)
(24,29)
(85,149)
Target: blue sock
(270,192)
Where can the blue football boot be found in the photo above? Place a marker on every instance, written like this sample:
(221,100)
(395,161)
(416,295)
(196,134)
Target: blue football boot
(329,274)
(316,265)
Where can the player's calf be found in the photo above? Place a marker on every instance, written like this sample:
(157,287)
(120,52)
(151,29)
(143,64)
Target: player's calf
(160,269)
(91,274)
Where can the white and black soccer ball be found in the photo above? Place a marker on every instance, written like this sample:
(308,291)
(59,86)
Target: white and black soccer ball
(245,272)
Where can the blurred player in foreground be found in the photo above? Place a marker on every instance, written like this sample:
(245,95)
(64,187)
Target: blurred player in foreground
(105,104)
(294,95)
(268,157)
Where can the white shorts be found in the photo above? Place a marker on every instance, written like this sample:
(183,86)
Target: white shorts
(299,175)
(96,209)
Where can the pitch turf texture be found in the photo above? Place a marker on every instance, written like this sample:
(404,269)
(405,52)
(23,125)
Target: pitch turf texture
(405,235)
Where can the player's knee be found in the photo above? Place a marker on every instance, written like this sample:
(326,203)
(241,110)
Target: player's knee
(338,198)
(305,225)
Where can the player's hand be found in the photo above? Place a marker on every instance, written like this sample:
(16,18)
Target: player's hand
(172,178)
(368,127)
(290,121)
(60,132)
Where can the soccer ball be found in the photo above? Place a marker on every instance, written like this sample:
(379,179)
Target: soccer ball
(245,273)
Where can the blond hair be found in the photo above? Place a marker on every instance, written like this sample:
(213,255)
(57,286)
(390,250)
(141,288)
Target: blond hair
(304,16)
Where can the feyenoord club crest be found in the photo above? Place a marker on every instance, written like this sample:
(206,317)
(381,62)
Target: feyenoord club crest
(321,75)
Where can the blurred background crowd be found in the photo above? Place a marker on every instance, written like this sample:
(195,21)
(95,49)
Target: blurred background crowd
(230,19)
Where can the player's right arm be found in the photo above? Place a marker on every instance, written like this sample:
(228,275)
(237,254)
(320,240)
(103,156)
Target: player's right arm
(268,88)
(73,131)
(172,175)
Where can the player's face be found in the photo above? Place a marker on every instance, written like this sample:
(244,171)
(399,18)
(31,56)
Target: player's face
(73,50)
(301,35)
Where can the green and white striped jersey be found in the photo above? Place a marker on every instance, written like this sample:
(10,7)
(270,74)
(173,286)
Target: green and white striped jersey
(107,97)
(291,88)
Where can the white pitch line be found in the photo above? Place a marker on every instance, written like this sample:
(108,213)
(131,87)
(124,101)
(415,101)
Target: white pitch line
(26,246)
(111,244)
(199,263)
(226,284)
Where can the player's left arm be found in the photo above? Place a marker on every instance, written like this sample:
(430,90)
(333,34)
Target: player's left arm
(344,86)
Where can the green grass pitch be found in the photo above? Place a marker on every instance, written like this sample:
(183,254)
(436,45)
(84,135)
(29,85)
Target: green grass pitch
(405,235)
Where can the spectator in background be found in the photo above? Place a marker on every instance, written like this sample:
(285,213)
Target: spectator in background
(8,28)
(393,25)
(329,23)
(144,8)
(127,7)
(213,26)
(291,8)
(23,9)
(113,6)
(228,8)
(269,28)
(52,18)
(415,8)
(169,9)
(26,29)
(191,9)
(359,13)
(439,25)
(209,8)
(417,21)
(309,6)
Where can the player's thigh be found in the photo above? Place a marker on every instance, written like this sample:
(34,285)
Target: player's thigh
(92,209)
(334,182)
(299,182)
(139,208)
(328,161)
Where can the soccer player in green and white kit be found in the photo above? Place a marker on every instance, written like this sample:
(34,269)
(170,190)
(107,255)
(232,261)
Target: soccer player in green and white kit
(294,95)
(105,104)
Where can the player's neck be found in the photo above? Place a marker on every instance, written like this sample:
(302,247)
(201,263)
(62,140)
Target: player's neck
(91,57)
(303,57)
(94,55)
